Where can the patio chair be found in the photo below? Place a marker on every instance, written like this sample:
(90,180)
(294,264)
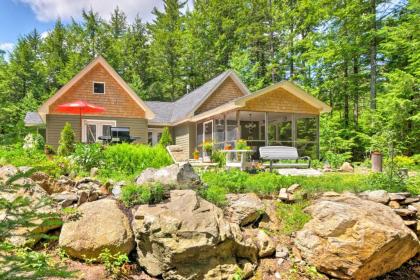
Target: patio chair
(276,153)
(118,135)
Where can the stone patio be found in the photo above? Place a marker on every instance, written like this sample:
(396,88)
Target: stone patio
(299,172)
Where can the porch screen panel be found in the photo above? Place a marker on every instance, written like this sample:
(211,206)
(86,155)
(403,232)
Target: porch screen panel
(280,129)
(306,136)
(219,132)
(200,137)
(231,128)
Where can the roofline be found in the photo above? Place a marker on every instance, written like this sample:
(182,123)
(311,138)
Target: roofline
(291,88)
(44,109)
(236,80)
(241,101)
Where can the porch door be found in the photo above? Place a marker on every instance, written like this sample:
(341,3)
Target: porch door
(93,129)
(208,131)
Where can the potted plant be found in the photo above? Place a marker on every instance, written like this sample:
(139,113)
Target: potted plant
(228,147)
(196,154)
(207,149)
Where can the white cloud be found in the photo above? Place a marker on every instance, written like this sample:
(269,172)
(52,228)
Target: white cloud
(8,47)
(45,34)
(50,10)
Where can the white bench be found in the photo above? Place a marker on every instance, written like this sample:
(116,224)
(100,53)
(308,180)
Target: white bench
(276,153)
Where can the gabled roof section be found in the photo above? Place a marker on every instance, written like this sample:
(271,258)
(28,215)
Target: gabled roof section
(293,89)
(163,112)
(33,119)
(44,109)
(189,103)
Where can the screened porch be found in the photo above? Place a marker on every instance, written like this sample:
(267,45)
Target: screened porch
(261,129)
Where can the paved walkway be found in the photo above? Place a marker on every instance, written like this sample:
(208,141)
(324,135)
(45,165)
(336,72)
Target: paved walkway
(299,172)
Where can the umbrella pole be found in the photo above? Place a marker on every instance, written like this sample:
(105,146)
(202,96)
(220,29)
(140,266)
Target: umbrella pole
(80,117)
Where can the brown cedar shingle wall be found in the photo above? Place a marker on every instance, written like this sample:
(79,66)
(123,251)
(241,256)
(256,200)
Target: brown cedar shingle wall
(279,101)
(226,92)
(55,123)
(116,101)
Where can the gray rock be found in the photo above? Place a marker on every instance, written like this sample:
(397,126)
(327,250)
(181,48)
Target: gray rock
(282,251)
(293,188)
(83,197)
(346,167)
(6,172)
(410,200)
(397,196)
(352,238)
(243,208)
(189,236)
(94,171)
(405,212)
(64,196)
(175,174)
(262,241)
(283,195)
(379,196)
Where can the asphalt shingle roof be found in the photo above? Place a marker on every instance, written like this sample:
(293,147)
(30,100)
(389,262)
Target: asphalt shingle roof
(33,119)
(175,111)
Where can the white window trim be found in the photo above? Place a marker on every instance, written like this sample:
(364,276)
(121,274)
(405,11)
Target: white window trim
(93,87)
(98,123)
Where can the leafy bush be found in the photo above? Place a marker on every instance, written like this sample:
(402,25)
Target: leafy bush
(241,145)
(219,158)
(404,162)
(413,185)
(166,138)
(113,263)
(215,194)
(134,195)
(87,156)
(386,181)
(66,143)
(33,142)
(128,159)
(292,216)
(336,160)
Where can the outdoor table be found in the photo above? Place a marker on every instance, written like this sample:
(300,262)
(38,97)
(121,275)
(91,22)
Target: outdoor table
(233,160)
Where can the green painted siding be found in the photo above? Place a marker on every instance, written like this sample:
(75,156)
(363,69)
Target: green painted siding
(55,123)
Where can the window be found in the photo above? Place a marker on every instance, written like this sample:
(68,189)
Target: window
(98,88)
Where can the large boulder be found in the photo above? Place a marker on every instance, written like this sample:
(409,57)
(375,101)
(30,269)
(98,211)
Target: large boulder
(243,209)
(97,226)
(33,214)
(175,174)
(189,238)
(352,238)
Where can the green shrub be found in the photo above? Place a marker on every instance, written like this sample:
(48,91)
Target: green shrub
(113,262)
(215,194)
(147,194)
(166,138)
(87,156)
(404,162)
(292,216)
(66,143)
(129,160)
(219,157)
(413,185)
(33,142)
(267,183)
(233,180)
(386,181)
(336,160)
(17,156)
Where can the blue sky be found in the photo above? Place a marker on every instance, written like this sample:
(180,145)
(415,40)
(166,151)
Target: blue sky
(19,17)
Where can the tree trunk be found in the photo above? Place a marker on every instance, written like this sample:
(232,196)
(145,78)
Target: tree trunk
(346,95)
(373,50)
(356,93)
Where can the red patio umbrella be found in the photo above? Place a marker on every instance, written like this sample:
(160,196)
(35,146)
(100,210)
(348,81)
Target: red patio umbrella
(79,107)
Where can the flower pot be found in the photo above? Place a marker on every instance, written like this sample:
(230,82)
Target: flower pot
(207,156)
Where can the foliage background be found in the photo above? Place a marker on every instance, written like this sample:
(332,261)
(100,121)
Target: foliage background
(360,57)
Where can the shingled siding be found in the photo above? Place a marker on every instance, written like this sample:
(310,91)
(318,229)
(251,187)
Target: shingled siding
(55,123)
(116,101)
(279,101)
(226,92)
(184,136)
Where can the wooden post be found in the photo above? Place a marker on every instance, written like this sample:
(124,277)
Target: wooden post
(376,162)
(317,137)
(294,133)
(225,122)
(266,128)
(238,126)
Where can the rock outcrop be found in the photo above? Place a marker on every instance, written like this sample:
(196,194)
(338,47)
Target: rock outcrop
(181,175)
(243,209)
(352,238)
(188,238)
(97,226)
(31,219)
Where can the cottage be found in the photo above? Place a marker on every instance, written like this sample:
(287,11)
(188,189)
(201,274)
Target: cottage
(221,110)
